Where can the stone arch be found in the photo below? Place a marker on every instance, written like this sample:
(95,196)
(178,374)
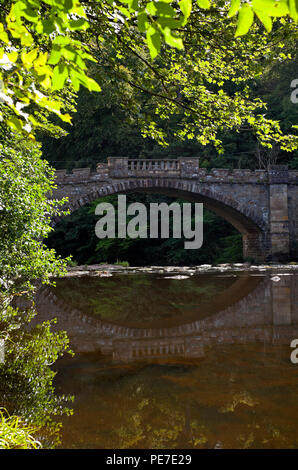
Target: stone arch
(247,220)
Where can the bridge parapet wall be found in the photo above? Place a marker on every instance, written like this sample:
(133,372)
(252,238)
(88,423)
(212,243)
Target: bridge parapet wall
(119,169)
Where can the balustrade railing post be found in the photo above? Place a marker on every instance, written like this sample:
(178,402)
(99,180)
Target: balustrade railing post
(189,167)
(118,167)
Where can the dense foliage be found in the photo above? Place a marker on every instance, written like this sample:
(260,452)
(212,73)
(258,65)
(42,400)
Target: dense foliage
(174,71)
(195,51)
(26,388)
(26,376)
(25,213)
(102,128)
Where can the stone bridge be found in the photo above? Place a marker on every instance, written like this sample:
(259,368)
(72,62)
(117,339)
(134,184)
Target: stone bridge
(262,204)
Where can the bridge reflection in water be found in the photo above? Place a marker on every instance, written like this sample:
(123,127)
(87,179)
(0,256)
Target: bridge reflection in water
(267,312)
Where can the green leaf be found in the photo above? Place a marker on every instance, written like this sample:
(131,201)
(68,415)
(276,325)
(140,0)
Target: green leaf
(153,41)
(125,11)
(60,75)
(245,20)
(234,8)
(172,39)
(142,21)
(45,81)
(170,22)
(271,7)
(65,117)
(41,60)
(46,26)
(265,19)
(55,55)
(151,8)
(79,11)
(12,56)
(91,84)
(61,40)
(29,57)
(69,53)
(26,39)
(205,4)
(4,37)
(185,6)
(80,24)
(78,78)
(30,14)
(164,9)
(293,9)
(68,5)
(14,123)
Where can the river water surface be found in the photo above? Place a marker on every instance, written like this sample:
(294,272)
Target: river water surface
(178,360)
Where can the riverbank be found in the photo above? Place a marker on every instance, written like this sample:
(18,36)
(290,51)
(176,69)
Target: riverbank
(106,270)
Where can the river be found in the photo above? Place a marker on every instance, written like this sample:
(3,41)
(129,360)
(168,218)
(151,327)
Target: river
(178,358)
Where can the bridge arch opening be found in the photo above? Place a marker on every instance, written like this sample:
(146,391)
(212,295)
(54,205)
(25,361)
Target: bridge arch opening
(248,225)
(245,220)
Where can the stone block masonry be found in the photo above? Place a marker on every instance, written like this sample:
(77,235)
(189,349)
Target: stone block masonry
(261,204)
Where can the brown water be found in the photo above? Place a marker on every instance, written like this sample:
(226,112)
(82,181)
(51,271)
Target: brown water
(200,362)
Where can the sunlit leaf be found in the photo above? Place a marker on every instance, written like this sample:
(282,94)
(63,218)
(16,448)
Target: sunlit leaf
(12,56)
(15,124)
(41,60)
(271,7)
(153,41)
(265,19)
(55,55)
(234,8)
(205,4)
(186,6)
(29,57)
(172,39)
(293,9)
(60,75)
(245,20)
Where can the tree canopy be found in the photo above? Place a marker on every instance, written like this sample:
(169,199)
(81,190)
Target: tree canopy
(184,55)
